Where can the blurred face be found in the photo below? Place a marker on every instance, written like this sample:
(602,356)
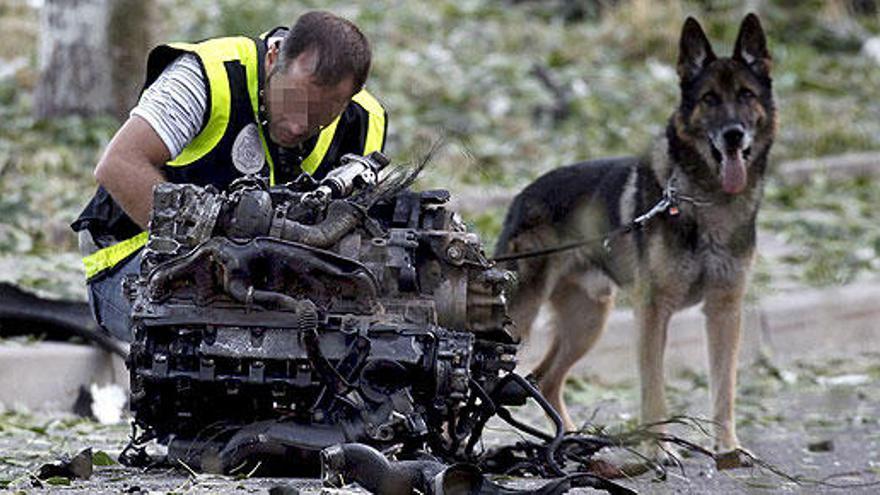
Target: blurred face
(298,107)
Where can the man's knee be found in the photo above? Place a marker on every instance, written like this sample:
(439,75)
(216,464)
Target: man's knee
(110,306)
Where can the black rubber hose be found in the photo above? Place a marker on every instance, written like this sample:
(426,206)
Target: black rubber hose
(356,462)
(553,441)
(341,218)
(274,439)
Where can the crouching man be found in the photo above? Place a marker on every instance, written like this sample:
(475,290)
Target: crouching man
(287,102)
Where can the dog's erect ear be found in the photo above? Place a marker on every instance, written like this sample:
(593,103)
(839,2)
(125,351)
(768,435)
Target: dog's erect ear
(694,50)
(751,46)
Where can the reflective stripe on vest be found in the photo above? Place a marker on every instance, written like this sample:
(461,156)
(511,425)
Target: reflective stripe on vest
(376,130)
(110,256)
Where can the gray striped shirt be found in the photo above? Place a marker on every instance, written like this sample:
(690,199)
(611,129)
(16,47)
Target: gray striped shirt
(175,104)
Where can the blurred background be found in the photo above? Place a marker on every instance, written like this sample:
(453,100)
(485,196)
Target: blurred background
(512,87)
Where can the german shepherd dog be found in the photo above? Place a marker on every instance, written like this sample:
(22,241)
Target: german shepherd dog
(714,154)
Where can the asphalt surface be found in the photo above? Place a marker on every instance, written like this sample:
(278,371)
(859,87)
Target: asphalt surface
(814,421)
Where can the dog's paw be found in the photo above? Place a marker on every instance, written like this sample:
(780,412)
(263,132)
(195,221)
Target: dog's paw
(732,459)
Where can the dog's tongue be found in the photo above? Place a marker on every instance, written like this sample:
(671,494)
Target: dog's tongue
(733,172)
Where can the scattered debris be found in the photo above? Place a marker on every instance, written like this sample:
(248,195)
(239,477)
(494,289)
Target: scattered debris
(78,467)
(732,460)
(358,463)
(821,446)
(284,490)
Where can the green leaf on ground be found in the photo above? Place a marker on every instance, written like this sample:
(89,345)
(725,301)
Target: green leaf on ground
(58,481)
(101,458)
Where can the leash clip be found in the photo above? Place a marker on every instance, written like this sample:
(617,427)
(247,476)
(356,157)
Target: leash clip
(670,194)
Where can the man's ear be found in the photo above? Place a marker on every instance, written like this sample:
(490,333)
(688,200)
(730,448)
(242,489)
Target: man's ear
(751,46)
(272,56)
(694,51)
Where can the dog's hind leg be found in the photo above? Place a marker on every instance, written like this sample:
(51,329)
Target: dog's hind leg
(532,290)
(723,310)
(581,305)
(526,301)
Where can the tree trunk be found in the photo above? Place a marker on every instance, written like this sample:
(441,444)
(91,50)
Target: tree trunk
(131,34)
(92,56)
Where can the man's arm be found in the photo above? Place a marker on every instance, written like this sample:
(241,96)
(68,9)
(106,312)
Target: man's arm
(167,117)
(130,167)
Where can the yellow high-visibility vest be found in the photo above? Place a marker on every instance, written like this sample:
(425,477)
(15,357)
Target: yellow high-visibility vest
(232,69)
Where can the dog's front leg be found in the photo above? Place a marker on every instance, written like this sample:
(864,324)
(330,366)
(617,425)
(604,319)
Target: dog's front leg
(723,310)
(653,321)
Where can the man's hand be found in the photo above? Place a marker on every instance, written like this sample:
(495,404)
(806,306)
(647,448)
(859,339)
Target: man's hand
(130,168)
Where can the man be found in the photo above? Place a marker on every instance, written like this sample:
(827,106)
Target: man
(291,101)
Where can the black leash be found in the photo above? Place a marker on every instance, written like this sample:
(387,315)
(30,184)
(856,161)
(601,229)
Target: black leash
(668,204)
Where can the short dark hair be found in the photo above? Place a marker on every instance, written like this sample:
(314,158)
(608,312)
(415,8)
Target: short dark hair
(341,48)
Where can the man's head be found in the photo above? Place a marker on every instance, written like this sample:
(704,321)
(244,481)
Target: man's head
(322,62)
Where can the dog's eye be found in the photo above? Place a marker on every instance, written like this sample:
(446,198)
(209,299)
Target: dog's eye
(711,99)
(745,95)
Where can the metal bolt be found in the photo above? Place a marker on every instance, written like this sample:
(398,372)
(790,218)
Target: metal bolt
(454,252)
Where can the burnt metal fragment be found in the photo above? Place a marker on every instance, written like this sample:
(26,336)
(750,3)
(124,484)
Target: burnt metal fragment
(76,467)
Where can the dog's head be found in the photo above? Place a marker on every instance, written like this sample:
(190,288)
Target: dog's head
(726,113)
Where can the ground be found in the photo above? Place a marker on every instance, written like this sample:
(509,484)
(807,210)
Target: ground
(811,421)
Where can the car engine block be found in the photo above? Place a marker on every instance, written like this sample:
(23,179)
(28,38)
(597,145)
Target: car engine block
(280,320)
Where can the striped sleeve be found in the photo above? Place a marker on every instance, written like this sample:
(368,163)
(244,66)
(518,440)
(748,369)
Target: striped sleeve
(175,104)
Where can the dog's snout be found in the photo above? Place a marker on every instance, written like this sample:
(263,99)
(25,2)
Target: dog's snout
(733,137)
